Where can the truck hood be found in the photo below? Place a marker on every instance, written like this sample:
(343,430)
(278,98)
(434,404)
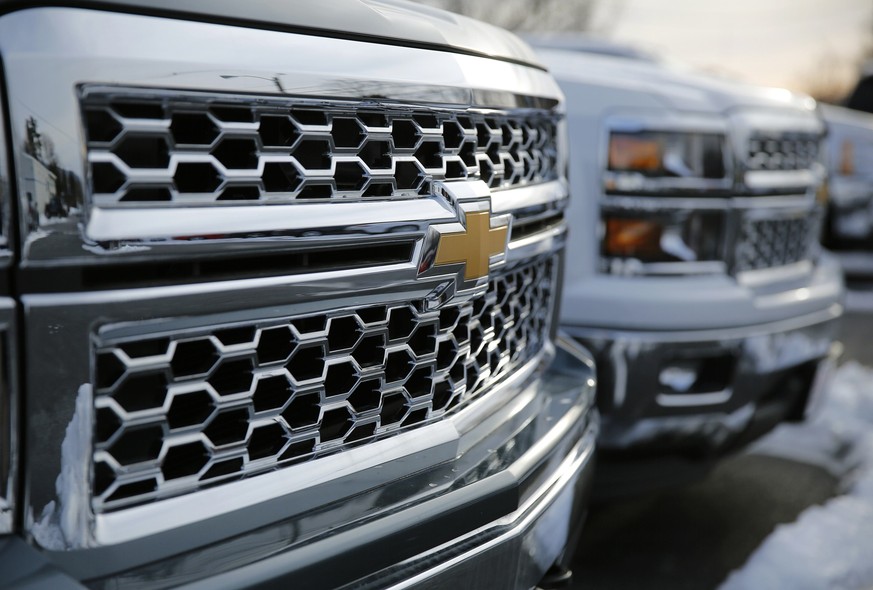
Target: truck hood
(395,22)
(676,86)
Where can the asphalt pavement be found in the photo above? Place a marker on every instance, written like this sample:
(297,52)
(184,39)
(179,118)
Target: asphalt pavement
(692,537)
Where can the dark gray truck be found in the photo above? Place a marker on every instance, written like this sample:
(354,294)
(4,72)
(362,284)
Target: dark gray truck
(279,300)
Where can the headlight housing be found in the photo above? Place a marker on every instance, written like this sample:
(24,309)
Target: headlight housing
(643,162)
(655,242)
(650,168)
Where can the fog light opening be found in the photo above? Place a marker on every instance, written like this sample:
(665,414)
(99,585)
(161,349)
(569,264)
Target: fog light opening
(709,374)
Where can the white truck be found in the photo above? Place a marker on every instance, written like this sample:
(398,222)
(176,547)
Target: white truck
(695,274)
(849,229)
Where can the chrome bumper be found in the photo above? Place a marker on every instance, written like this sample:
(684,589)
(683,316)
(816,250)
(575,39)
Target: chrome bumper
(535,500)
(502,512)
(763,375)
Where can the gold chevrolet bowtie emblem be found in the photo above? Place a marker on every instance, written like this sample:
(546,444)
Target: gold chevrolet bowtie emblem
(474,247)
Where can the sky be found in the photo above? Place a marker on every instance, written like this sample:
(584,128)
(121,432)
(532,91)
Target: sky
(790,43)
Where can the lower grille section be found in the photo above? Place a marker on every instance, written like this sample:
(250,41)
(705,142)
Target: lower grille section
(765,243)
(176,412)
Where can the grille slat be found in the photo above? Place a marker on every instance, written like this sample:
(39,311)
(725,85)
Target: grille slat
(177,412)
(189,149)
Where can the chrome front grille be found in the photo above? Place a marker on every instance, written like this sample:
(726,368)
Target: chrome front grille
(766,243)
(782,151)
(205,149)
(178,411)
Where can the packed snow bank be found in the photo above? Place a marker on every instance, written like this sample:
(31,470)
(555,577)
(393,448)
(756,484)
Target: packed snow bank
(829,546)
(64,525)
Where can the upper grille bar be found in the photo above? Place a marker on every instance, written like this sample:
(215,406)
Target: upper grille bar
(182,149)
(782,151)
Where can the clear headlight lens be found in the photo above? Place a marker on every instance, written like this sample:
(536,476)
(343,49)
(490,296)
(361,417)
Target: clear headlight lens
(660,161)
(666,237)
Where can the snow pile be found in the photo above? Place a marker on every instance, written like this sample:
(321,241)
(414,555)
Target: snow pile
(65,525)
(829,546)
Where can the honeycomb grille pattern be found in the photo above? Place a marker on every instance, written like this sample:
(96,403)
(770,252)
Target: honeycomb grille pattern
(177,412)
(788,151)
(193,149)
(766,243)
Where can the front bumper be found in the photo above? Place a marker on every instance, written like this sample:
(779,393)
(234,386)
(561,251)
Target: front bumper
(500,514)
(699,394)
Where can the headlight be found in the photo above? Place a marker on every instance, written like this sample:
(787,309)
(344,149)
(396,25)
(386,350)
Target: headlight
(659,235)
(652,162)
(689,237)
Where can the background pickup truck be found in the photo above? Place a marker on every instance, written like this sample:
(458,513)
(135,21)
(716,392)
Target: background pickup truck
(849,228)
(697,276)
(279,294)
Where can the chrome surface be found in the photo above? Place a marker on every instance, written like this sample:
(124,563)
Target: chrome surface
(77,62)
(782,151)
(768,242)
(145,148)
(178,411)
(10,445)
(683,336)
(760,365)
(336,220)
(10,441)
(533,537)
(779,151)
(517,440)
(67,48)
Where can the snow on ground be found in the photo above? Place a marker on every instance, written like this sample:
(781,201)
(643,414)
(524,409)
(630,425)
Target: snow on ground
(64,525)
(829,546)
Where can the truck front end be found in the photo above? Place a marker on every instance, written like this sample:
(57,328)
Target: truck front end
(281,301)
(702,287)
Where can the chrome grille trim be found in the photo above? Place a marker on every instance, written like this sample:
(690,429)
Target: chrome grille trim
(196,57)
(348,219)
(184,410)
(163,223)
(182,149)
(10,444)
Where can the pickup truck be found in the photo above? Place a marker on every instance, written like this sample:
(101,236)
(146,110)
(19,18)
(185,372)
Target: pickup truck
(279,298)
(697,277)
(849,227)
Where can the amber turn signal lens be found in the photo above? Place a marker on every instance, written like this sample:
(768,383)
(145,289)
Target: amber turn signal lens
(632,237)
(633,152)
(847,158)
